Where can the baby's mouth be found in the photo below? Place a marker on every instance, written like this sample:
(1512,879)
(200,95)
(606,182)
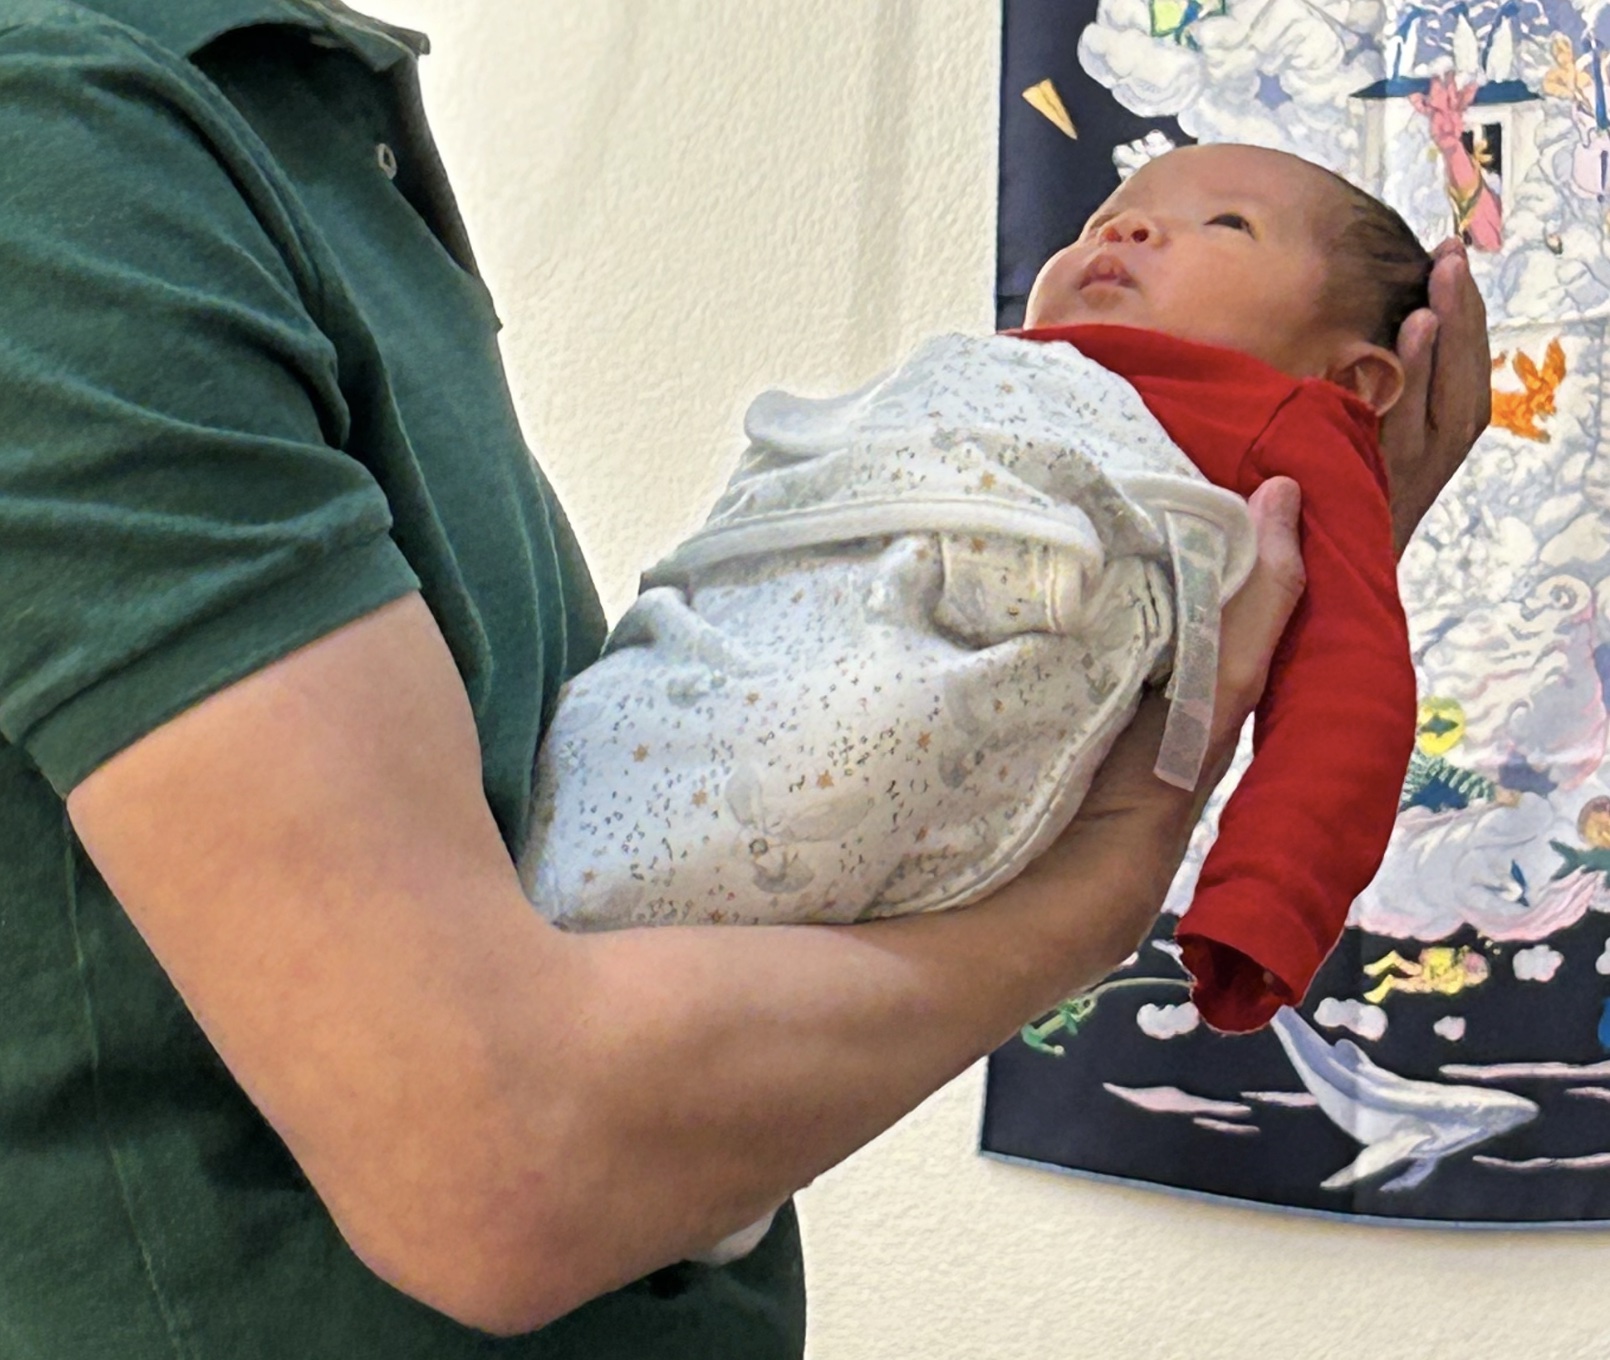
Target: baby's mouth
(1105,269)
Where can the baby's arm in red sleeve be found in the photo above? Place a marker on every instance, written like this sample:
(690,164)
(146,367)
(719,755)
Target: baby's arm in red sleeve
(1305,831)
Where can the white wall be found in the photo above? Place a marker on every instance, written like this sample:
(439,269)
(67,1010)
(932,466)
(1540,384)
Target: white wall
(676,205)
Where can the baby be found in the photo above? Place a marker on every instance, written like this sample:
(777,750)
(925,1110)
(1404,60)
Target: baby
(880,679)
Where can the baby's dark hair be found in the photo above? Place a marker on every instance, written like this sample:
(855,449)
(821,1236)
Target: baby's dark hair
(1379,271)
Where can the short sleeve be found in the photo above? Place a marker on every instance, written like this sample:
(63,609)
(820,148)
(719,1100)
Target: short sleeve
(177,508)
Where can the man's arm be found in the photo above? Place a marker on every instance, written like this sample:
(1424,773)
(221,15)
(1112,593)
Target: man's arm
(1447,393)
(505,1120)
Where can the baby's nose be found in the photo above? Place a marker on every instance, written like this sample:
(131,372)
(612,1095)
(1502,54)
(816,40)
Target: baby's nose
(1129,226)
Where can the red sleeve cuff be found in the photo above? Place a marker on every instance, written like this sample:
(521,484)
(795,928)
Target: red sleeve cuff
(1248,959)
(1233,993)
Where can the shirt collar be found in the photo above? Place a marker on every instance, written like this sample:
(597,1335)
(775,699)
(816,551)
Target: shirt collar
(186,26)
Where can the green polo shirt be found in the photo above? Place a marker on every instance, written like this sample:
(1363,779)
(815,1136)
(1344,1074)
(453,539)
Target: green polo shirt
(249,391)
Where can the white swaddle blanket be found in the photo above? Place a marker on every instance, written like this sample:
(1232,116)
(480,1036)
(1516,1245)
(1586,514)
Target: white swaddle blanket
(880,678)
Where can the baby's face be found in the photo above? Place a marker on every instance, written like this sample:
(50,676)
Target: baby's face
(1217,244)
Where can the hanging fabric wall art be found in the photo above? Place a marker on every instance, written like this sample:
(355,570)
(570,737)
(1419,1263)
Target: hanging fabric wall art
(1451,1063)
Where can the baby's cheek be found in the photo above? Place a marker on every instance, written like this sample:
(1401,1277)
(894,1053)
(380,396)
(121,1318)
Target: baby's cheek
(1051,280)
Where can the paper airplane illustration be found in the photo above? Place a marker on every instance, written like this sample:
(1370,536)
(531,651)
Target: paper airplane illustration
(1045,98)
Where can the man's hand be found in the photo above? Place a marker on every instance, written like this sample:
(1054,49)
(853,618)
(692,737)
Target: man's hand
(1447,392)
(1128,805)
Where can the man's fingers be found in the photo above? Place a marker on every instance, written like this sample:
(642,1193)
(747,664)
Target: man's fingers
(1276,509)
(1449,245)
(1256,617)
(1417,347)
(1447,396)
(1450,296)
(1461,388)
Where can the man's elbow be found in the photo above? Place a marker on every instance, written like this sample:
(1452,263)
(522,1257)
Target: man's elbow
(474,1285)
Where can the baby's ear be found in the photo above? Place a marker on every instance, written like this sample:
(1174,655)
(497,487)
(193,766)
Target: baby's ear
(1371,373)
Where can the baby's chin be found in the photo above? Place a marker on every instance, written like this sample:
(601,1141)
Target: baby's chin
(1092,305)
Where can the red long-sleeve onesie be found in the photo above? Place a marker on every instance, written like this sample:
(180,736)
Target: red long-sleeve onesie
(1305,831)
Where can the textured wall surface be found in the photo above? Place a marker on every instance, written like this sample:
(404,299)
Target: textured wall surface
(675,205)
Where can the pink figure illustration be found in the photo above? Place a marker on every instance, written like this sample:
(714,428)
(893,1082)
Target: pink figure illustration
(1478,214)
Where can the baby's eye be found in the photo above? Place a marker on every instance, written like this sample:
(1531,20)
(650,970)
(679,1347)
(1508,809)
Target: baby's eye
(1232,220)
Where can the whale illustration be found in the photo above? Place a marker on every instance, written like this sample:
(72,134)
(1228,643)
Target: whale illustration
(1398,1120)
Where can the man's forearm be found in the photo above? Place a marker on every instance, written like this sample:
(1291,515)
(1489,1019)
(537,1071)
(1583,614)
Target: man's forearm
(710,1072)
